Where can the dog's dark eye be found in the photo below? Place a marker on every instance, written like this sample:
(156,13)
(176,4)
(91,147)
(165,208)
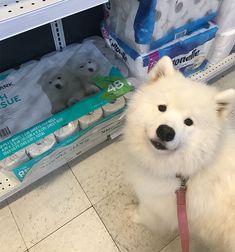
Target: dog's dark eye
(50,82)
(89,62)
(188,122)
(162,108)
(81,66)
(59,78)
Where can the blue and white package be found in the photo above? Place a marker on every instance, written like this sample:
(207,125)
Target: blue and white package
(145,25)
(189,53)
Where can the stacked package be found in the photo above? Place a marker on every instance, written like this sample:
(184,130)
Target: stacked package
(136,30)
(225,37)
(48,104)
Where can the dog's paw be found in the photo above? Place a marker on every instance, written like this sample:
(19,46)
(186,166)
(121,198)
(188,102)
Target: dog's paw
(58,108)
(92,89)
(72,101)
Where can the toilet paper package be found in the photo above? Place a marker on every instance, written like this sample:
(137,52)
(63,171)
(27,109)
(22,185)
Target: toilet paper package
(26,159)
(225,37)
(188,53)
(55,91)
(62,152)
(145,25)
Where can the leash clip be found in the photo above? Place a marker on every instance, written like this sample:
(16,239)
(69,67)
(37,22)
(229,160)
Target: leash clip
(183,181)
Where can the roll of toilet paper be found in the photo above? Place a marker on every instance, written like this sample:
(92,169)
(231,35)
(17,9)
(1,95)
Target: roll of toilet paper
(92,117)
(222,46)
(66,131)
(41,146)
(226,16)
(114,106)
(15,160)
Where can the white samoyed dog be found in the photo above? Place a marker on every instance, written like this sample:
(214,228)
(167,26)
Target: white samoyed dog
(176,126)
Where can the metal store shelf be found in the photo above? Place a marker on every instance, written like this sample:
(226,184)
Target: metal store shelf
(214,70)
(17,16)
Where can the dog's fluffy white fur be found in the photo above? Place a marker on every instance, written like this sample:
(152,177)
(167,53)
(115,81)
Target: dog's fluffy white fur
(203,151)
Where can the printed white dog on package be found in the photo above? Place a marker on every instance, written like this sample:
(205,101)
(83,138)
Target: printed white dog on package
(178,127)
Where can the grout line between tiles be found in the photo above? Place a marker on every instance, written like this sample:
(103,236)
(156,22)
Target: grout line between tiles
(168,243)
(107,230)
(93,204)
(60,227)
(8,205)
(79,183)
(96,210)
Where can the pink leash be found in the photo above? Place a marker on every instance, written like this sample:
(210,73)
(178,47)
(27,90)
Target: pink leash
(182,215)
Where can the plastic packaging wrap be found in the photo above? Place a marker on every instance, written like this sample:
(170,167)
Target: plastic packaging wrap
(148,24)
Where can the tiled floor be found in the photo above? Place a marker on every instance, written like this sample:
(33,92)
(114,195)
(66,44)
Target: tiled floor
(81,208)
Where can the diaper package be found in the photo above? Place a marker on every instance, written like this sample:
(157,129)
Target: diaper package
(188,53)
(53,102)
(145,25)
(225,37)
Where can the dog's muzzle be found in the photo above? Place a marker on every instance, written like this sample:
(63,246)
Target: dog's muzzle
(158,145)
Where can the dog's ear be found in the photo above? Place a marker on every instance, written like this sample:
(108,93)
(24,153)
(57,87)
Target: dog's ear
(164,67)
(225,101)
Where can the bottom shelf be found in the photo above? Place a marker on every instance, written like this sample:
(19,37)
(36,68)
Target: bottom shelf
(108,131)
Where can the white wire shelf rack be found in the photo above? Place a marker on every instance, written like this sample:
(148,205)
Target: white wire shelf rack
(17,16)
(214,70)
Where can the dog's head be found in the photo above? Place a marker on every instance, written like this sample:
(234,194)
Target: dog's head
(83,67)
(174,125)
(53,79)
(87,68)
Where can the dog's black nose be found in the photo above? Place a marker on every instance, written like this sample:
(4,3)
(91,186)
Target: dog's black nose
(91,69)
(165,133)
(58,86)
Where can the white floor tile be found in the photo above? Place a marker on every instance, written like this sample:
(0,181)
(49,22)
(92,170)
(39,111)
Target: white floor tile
(129,237)
(100,174)
(86,233)
(55,200)
(195,246)
(10,238)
